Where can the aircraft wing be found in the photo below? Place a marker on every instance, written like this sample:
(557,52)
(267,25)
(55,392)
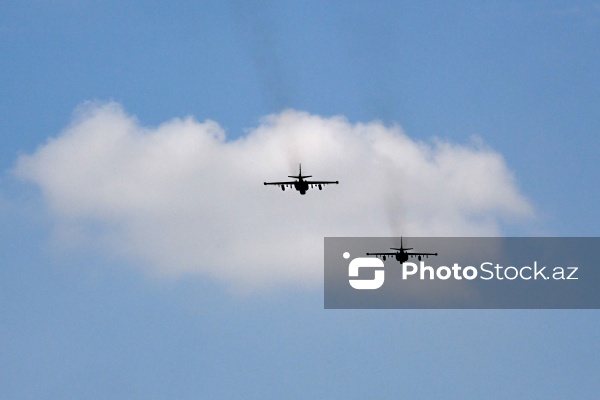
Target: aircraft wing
(281,183)
(322,182)
(382,254)
(411,254)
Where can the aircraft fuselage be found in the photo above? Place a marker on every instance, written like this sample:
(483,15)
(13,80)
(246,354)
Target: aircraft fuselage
(301,186)
(401,257)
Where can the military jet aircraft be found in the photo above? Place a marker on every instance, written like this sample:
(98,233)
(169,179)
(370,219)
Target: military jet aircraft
(300,184)
(402,254)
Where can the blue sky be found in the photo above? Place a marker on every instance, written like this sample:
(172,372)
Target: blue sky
(83,320)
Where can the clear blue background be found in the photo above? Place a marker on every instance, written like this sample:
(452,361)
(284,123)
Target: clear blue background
(522,75)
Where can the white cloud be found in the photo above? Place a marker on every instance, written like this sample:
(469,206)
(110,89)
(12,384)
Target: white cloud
(181,199)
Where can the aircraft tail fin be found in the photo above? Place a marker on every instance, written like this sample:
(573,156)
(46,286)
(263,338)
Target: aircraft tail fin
(300,176)
(401,246)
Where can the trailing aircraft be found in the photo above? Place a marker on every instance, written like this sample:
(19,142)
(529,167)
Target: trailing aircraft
(401,254)
(301,184)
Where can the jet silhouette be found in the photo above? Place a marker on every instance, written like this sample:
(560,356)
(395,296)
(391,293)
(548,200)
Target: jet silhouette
(300,184)
(401,254)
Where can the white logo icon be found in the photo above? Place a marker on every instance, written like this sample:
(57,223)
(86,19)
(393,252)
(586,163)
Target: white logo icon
(365,262)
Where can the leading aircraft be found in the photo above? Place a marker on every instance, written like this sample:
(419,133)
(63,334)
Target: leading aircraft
(402,254)
(300,184)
